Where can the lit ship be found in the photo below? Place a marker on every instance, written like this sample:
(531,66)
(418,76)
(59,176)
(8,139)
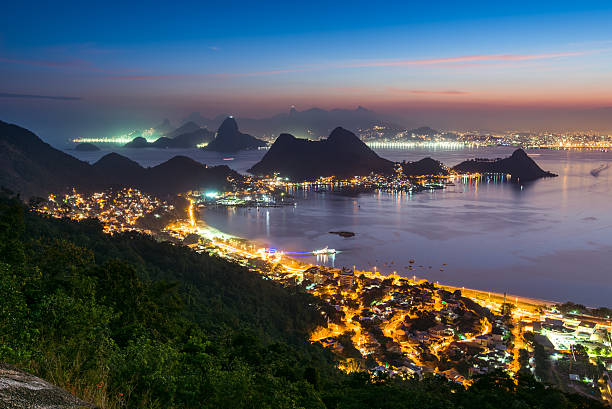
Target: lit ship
(324,251)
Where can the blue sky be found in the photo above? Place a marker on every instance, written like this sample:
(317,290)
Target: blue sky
(140,62)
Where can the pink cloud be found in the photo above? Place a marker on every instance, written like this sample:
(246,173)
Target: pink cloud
(154,77)
(468,58)
(428,92)
(458,62)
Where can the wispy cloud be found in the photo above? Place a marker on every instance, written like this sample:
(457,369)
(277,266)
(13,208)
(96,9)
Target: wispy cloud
(428,92)
(460,61)
(467,59)
(155,77)
(32,96)
(213,47)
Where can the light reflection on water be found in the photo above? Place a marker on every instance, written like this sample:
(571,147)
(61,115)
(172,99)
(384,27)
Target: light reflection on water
(550,239)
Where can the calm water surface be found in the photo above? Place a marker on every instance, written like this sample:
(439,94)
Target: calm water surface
(549,239)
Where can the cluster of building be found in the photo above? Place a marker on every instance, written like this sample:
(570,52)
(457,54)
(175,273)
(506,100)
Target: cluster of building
(277,191)
(555,140)
(382,136)
(118,210)
(398,326)
(388,325)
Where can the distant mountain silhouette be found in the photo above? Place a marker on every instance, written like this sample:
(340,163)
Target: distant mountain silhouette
(164,127)
(187,127)
(343,154)
(311,123)
(184,141)
(189,139)
(32,167)
(230,139)
(425,166)
(520,166)
(86,147)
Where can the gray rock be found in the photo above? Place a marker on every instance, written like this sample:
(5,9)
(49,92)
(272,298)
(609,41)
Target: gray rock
(21,390)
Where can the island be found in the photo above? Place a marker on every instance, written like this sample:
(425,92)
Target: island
(425,166)
(188,135)
(86,147)
(519,166)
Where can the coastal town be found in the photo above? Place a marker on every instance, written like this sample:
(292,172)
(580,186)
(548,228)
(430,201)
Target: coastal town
(389,325)
(386,136)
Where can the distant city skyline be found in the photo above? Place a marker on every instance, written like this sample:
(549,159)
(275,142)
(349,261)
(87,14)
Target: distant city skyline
(85,70)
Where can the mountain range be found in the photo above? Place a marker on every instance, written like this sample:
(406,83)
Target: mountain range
(228,138)
(188,135)
(342,154)
(186,128)
(185,140)
(312,123)
(32,167)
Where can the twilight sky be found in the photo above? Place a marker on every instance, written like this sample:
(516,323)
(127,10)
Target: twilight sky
(79,69)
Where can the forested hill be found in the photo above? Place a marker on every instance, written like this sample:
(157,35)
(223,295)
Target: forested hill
(125,321)
(31,167)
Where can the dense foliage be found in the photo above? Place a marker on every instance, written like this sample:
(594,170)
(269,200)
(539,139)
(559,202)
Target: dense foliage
(126,321)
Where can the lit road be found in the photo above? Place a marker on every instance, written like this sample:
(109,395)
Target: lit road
(248,254)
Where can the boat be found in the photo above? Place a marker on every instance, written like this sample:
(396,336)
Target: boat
(324,251)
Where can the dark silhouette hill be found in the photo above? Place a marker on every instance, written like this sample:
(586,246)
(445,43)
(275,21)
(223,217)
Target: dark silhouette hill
(181,174)
(138,142)
(230,139)
(343,154)
(178,174)
(184,141)
(34,168)
(425,166)
(519,165)
(117,170)
(86,147)
(313,122)
(183,129)
(164,127)
(30,166)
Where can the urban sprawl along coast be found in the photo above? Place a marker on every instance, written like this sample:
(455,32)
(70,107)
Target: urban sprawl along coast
(391,326)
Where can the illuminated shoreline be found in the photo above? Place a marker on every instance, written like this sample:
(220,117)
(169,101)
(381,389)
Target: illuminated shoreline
(211,233)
